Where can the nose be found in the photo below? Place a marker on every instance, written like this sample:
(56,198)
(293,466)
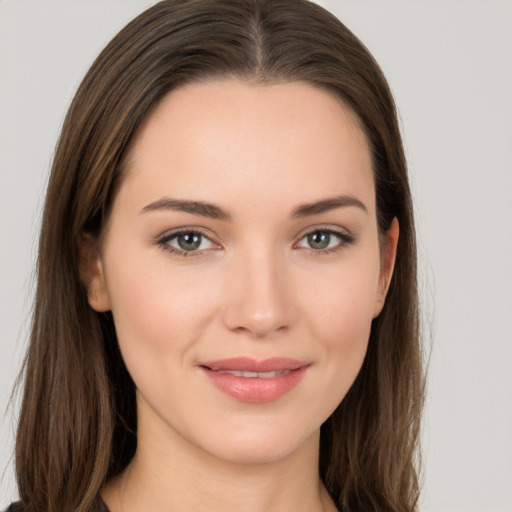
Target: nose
(258,300)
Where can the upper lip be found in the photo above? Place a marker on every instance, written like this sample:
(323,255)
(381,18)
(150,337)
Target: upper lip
(249,364)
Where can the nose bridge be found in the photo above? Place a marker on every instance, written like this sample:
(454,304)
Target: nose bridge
(258,303)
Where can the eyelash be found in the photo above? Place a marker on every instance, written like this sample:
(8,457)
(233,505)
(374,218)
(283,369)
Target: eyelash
(163,242)
(344,240)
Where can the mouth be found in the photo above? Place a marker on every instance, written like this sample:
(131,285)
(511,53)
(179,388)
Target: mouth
(254,375)
(256,381)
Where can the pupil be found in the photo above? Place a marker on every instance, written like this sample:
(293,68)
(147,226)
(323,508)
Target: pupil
(319,240)
(189,241)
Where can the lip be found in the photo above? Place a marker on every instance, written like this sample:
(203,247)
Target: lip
(225,376)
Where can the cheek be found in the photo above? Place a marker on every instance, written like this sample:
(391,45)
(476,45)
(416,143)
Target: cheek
(343,323)
(343,301)
(158,311)
(342,314)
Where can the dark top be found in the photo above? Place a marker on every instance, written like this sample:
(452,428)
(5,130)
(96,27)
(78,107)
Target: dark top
(98,507)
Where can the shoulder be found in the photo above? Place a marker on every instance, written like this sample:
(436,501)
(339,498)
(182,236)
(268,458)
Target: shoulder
(99,506)
(14,507)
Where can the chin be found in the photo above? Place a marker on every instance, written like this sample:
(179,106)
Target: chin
(261,445)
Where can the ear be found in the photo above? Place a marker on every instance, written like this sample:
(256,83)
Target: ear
(387,259)
(92,273)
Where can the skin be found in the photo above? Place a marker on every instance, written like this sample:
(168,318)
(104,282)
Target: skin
(255,287)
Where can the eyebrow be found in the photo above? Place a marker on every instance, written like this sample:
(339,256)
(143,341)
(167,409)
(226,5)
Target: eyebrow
(325,205)
(196,207)
(215,212)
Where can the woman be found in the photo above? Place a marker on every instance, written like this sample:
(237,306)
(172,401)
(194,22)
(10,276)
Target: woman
(226,311)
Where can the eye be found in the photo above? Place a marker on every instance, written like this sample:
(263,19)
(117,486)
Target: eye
(186,242)
(325,240)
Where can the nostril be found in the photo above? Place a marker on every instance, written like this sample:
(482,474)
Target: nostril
(259,306)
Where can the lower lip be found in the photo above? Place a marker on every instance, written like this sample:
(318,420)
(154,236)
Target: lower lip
(255,389)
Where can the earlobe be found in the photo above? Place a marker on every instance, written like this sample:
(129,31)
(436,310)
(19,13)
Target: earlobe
(388,257)
(92,273)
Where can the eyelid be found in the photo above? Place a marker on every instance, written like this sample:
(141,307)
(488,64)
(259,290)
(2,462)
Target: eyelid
(163,239)
(345,236)
(325,227)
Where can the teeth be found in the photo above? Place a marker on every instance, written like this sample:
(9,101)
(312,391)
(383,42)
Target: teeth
(248,374)
(261,375)
(269,375)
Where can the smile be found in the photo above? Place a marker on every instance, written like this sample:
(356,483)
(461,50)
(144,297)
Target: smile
(250,380)
(255,375)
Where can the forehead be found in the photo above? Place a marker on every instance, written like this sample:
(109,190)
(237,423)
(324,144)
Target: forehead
(287,141)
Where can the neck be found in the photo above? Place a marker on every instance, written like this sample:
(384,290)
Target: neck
(169,473)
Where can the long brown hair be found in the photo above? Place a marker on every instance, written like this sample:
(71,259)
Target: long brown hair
(77,426)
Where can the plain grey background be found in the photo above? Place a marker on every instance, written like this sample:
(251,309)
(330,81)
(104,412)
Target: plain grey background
(449,63)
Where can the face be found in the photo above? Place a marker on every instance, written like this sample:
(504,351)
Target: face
(242,266)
